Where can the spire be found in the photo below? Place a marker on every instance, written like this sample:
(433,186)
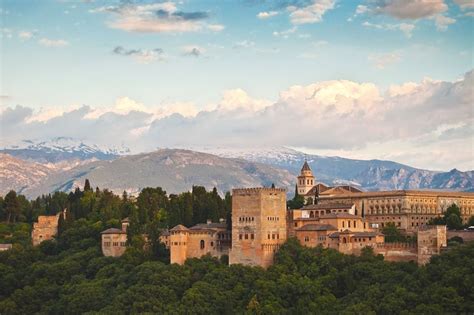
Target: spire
(305,166)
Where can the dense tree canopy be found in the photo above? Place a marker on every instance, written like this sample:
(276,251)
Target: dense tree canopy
(69,275)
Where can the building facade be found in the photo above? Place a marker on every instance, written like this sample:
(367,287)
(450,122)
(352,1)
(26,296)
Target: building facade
(199,240)
(409,210)
(114,241)
(46,228)
(259,225)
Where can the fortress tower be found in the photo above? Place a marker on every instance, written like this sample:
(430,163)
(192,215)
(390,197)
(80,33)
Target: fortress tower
(306,180)
(258,225)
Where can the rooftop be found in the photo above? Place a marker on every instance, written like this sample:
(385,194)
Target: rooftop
(339,216)
(113,231)
(328,206)
(317,227)
(180,227)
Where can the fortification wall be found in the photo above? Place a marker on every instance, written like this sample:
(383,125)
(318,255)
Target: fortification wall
(467,236)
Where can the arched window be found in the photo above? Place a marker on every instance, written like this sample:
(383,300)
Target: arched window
(344,240)
(202,244)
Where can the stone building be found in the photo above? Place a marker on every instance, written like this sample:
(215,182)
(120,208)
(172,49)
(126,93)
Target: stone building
(114,241)
(208,238)
(431,239)
(258,225)
(409,210)
(4,247)
(46,228)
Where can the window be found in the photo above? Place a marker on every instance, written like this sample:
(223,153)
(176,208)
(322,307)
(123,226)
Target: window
(306,238)
(268,236)
(240,236)
(246,236)
(251,236)
(296,224)
(273,236)
(343,224)
(348,223)
(355,224)
(202,244)
(212,244)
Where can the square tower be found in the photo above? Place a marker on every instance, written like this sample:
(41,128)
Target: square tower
(258,225)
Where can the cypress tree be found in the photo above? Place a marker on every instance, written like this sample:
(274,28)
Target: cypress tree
(87,185)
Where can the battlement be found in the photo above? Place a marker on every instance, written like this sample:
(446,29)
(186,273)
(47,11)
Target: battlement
(256,190)
(430,227)
(397,245)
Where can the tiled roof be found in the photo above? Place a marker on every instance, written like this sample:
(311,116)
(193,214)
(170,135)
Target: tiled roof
(179,227)
(317,227)
(305,167)
(209,226)
(113,231)
(328,206)
(339,216)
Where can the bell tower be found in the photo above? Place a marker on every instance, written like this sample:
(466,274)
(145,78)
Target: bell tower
(306,180)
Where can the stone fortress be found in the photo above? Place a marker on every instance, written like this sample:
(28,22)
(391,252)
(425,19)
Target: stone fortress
(343,218)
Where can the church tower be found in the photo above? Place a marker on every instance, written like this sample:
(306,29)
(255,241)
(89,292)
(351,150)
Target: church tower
(306,179)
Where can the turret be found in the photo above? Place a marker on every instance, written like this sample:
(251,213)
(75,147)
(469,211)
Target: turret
(306,180)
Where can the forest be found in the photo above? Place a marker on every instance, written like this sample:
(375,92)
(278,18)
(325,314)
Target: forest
(69,275)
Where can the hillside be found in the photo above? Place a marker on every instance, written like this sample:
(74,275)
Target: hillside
(174,170)
(367,174)
(20,175)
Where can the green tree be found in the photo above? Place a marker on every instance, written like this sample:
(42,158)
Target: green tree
(12,206)
(87,185)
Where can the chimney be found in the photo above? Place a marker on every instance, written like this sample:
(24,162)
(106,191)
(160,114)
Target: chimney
(125,224)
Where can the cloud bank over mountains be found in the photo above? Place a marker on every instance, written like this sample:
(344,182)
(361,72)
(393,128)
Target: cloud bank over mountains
(427,124)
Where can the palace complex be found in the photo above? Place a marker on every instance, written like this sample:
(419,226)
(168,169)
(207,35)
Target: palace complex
(343,218)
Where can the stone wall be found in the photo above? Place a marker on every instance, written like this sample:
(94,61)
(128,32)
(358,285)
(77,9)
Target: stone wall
(45,229)
(397,251)
(114,245)
(467,236)
(258,225)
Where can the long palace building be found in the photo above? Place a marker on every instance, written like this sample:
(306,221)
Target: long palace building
(408,209)
(343,218)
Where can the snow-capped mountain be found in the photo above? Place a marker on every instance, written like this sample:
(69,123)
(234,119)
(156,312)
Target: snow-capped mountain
(62,149)
(367,174)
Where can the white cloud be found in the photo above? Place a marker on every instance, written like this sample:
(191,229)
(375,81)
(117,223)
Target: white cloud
(156,18)
(381,61)
(144,56)
(442,22)
(465,4)
(53,42)
(285,33)
(266,14)
(409,9)
(244,44)
(424,123)
(312,13)
(406,28)
(193,50)
(25,35)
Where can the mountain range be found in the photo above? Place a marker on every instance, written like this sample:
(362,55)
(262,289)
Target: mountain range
(36,168)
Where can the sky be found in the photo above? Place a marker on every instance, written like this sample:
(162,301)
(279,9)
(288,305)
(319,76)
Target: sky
(386,79)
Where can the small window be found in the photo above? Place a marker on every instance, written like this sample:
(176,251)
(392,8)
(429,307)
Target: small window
(212,244)
(240,236)
(246,236)
(202,244)
(251,236)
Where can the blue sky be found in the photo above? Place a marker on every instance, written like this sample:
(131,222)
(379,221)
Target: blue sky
(184,57)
